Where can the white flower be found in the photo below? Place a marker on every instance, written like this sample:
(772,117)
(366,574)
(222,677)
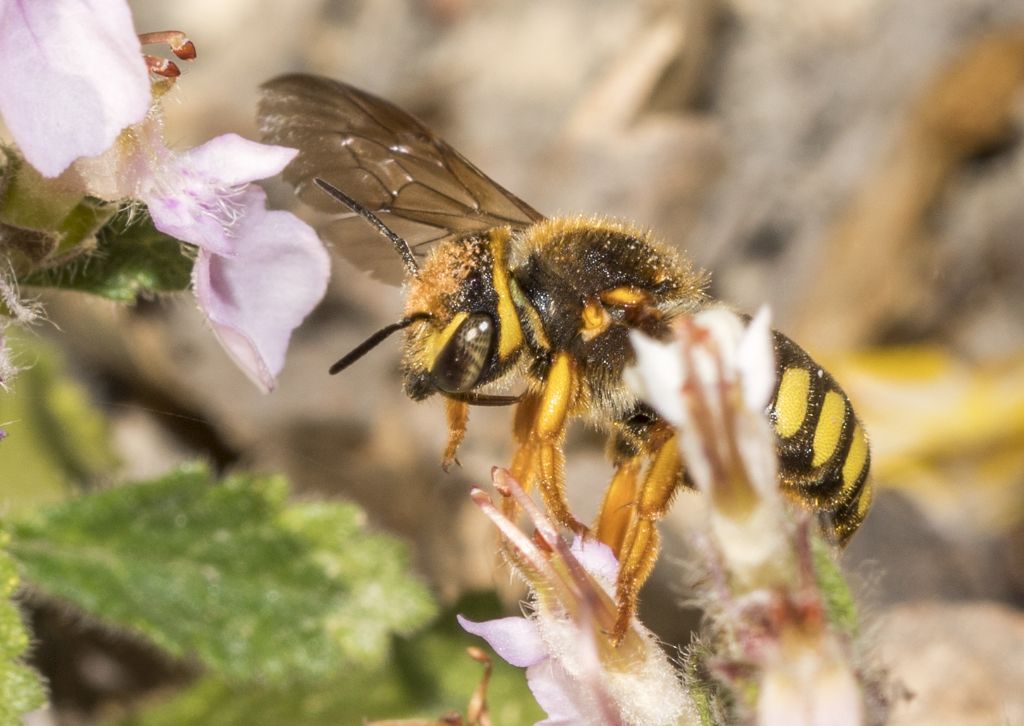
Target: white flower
(713,383)
(806,682)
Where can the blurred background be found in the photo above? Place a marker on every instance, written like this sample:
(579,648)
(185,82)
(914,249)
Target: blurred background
(858,165)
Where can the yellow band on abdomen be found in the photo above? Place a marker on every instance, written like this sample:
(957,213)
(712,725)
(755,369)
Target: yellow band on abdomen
(829,428)
(791,403)
(864,504)
(856,458)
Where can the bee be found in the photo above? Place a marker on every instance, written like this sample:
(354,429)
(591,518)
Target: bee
(497,292)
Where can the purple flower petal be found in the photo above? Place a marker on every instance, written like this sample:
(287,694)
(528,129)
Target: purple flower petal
(558,694)
(200,196)
(514,639)
(597,559)
(73,77)
(231,160)
(255,299)
(201,215)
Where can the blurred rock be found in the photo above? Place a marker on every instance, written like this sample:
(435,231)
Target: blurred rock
(147,449)
(814,112)
(956,664)
(899,556)
(966,109)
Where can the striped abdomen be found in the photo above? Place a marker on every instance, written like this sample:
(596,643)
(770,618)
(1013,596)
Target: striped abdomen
(823,451)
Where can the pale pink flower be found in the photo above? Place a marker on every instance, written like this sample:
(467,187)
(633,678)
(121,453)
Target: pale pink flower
(255,298)
(520,642)
(73,77)
(75,85)
(258,273)
(200,195)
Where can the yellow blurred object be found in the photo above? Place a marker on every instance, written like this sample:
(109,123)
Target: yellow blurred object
(948,433)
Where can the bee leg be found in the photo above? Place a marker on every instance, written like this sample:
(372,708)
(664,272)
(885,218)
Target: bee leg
(617,509)
(640,545)
(457,413)
(522,468)
(540,456)
(625,296)
(638,305)
(522,430)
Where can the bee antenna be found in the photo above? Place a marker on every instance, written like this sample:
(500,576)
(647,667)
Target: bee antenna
(374,340)
(400,244)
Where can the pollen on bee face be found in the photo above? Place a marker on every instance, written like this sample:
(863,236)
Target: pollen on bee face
(443,275)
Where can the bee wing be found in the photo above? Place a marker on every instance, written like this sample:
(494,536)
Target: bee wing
(387,161)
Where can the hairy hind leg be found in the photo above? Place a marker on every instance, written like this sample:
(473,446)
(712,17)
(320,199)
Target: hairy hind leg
(540,430)
(641,541)
(457,413)
(618,508)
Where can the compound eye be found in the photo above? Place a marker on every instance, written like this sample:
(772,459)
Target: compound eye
(460,363)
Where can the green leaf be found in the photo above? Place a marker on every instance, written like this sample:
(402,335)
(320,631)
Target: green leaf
(56,439)
(225,572)
(427,675)
(20,688)
(389,602)
(131,257)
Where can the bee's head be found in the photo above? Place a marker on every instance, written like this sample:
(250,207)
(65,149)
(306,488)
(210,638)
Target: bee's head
(460,335)
(452,348)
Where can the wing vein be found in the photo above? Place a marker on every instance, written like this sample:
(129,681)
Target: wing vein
(420,187)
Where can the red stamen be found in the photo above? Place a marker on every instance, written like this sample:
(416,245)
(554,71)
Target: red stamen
(179,43)
(161,66)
